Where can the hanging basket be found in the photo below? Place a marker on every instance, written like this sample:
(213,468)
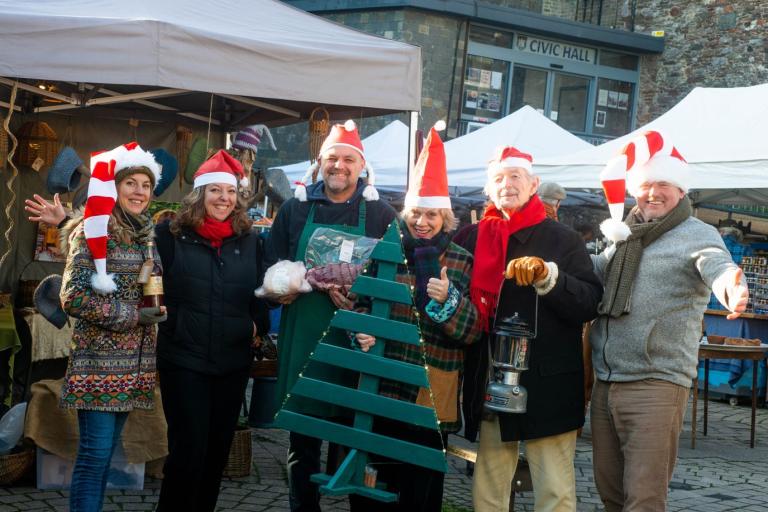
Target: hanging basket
(13,466)
(36,140)
(319,126)
(239,462)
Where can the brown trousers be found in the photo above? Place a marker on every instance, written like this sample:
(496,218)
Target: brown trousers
(635,432)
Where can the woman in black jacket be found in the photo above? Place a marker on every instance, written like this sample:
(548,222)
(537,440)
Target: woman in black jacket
(212,263)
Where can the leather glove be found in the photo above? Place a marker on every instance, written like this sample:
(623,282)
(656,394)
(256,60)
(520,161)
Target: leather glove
(526,270)
(149,316)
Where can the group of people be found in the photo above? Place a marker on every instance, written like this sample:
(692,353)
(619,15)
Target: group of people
(644,297)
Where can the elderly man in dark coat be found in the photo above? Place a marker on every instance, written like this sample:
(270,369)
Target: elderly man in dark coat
(516,240)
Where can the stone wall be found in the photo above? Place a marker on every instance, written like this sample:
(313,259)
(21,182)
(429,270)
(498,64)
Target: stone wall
(709,43)
(442,40)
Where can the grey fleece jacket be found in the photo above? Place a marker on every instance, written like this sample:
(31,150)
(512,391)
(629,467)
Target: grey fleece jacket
(658,338)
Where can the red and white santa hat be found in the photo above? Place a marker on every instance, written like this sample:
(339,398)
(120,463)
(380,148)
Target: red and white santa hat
(102,195)
(646,158)
(221,168)
(507,157)
(341,135)
(428,185)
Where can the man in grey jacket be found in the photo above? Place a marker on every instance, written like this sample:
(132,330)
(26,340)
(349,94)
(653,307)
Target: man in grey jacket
(658,276)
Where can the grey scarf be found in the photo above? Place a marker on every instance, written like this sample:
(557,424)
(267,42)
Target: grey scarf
(622,269)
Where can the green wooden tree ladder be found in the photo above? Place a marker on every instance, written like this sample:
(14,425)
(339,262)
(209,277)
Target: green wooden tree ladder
(365,400)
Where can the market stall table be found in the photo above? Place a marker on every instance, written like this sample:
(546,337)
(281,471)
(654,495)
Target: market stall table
(709,351)
(732,377)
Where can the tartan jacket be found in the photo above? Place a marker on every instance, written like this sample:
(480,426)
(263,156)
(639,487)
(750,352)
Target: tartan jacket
(444,343)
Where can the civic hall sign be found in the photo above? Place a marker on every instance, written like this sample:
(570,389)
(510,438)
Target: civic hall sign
(548,48)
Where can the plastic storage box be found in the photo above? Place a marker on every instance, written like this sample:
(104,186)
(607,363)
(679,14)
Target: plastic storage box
(53,472)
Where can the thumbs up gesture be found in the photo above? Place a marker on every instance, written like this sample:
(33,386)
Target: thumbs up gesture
(736,294)
(437,289)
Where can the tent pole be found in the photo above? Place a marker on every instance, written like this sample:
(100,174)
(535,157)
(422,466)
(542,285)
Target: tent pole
(413,123)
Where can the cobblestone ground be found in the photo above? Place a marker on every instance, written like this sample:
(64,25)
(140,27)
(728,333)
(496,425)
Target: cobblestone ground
(722,473)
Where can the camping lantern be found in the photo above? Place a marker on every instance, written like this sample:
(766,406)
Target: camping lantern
(512,338)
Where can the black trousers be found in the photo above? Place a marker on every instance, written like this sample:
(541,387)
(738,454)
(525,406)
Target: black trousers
(201,412)
(419,489)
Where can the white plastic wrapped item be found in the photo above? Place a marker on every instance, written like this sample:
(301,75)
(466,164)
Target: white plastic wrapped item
(12,427)
(284,278)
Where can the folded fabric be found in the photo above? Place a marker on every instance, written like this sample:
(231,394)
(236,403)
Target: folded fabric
(339,276)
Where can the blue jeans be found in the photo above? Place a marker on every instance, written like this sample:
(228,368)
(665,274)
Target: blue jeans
(99,434)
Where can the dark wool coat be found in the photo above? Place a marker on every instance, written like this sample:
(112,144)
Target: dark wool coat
(555,379)
(210,301)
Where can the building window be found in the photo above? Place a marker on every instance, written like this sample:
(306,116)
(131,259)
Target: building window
(490,36)
(529,87)
(570,95)
(618,60)
(485,86)
(613,107)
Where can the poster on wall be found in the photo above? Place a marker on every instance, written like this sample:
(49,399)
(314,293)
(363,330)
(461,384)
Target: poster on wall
(613,99)
(482,100)
(470,99)
(602,97)
(600,118)
(473,76)
(47,244)
(494,102)
(496,80)
(485,79)
(623,101)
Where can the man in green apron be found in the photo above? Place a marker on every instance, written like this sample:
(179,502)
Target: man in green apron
(344,202)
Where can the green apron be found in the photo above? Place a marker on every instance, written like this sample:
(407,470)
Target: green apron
(302,324)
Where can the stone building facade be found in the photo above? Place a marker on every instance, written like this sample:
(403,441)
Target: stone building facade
(627,76)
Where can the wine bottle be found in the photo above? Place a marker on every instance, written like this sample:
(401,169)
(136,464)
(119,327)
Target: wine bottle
(153,282)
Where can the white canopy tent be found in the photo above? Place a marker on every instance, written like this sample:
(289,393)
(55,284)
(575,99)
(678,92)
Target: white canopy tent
(386,151)
(721,132)
(239,50)
(214,66)
(467,156)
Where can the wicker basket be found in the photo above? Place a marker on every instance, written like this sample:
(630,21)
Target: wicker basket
(239,462)
(15,465)
(36,140)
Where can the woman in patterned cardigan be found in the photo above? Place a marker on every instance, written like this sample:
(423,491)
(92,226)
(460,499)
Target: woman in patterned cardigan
(111,368)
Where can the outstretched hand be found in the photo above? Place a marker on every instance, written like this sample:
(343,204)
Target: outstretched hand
(44,211)
(736,295)
(437,289)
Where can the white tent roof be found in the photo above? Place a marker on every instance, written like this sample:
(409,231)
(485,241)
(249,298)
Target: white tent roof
(386,151)
(255,48)
(721,132)
(467,156)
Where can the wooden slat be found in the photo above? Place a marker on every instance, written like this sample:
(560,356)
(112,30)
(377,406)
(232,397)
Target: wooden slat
(379,327)
(381,289)
(370,403)
(368,492)
(371,364)
(363,441)
(388,251)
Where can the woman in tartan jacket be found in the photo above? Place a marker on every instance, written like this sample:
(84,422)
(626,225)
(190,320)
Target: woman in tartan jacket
(438,271)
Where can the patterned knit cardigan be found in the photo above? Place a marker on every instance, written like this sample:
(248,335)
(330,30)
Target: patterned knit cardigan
(444,343)
(112,363)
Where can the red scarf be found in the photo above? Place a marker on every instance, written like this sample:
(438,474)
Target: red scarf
(215,231)
(491,253)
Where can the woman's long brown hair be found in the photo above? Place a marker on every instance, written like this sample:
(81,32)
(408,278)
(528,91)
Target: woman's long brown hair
(192,212)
